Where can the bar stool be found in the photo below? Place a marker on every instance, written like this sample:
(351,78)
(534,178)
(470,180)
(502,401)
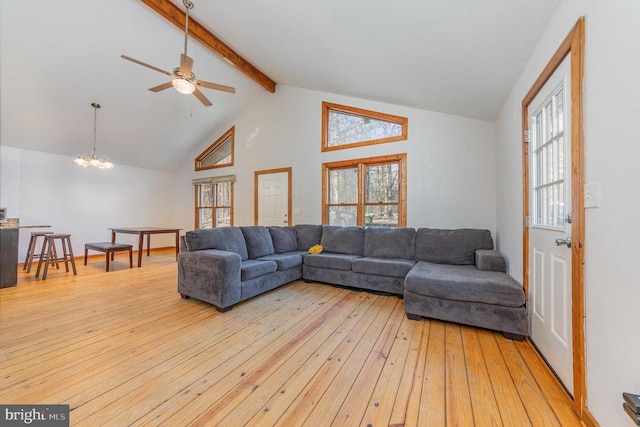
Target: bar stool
(31,251)
(48,254)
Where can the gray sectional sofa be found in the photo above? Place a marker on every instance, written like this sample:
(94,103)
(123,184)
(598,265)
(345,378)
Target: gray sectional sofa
(452,275)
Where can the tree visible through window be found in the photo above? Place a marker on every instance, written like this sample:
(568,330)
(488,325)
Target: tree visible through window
(214,204)
(346,127)
(370,192)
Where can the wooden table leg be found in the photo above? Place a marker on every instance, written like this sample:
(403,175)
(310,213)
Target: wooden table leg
(140,248)
(113,240)
(177,244)
(148,244)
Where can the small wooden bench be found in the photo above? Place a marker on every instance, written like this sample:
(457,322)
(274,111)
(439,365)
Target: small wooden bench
(109,248)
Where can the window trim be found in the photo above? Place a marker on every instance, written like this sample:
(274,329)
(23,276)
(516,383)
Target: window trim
(327,107)
(218,142)
(212,181)
(361,164)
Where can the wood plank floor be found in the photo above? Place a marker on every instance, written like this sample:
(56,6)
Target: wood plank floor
(122,348)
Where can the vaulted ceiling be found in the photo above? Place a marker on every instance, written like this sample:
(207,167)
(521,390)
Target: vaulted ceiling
(56,57)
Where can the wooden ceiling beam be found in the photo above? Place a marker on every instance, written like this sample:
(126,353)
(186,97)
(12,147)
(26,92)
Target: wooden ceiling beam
(176,16)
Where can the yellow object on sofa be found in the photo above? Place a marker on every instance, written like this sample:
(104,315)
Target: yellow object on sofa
(316,249)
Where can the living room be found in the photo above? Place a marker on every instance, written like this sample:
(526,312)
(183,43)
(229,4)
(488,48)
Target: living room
(462,172)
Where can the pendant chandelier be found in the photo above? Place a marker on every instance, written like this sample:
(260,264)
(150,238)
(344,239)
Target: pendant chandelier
(93,161)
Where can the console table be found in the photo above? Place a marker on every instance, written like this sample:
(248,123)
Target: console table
(146,231)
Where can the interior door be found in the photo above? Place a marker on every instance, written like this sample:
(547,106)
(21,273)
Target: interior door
(550,303)
(273,198)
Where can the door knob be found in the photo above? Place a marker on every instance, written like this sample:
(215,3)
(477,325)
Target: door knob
(565,241)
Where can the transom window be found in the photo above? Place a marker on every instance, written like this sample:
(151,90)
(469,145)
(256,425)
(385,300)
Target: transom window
(214,202)
(548,139)
(219,154)
(347,127)
(369,192)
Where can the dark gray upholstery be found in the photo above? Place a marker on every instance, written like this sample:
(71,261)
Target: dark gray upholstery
(329,260)
(382,242)
(258,240)
(451,246)
(251,268)
(464,283)
(512,320)
(284,261)
(308,235)
(370,282)
(342,240)
(458,276)
(392,267)
(228,239)
(490,260)
(285,239)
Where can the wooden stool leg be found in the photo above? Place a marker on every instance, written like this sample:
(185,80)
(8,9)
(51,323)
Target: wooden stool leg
(49,256)
(29,258)
(42,255)
(73,261)
(130,258)
(108,257)
(55,253)
(65,255)
(85,255)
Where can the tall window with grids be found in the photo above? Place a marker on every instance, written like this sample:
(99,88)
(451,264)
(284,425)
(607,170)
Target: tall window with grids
(548,139)
(213,202)
(369,192)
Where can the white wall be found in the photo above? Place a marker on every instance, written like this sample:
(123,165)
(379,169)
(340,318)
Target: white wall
(450,160)
(612,149)
(48,189)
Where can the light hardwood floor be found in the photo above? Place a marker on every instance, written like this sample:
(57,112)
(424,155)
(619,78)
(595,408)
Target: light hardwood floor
(122,348)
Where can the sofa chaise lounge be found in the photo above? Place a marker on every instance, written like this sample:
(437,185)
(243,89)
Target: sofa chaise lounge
(451,275)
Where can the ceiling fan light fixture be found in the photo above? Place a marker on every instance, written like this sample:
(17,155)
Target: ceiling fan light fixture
(183,86)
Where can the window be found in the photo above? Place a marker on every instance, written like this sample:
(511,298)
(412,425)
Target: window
(370,192)
(548,140)
(214,202)
(219,154)
(347,127)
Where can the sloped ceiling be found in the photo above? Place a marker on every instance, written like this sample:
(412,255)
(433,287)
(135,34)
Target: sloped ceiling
(454,56)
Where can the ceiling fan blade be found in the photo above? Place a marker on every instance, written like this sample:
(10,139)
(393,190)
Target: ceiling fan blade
(163,86)
(202,98)
(186,65)
(128,58)
(215,86)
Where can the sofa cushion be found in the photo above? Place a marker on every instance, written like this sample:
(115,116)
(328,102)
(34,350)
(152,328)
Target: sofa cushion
(382,242)
(451,246)
(284,261)
(228,239)
(258,241)
(342,240)
(464,283)
(251,268)
(285,239)
(308,235)
(490,260)
(391,267)
(332,261)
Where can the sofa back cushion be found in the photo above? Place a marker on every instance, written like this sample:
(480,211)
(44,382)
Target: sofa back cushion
(382,242)
(308,235)
(285,239)
(228,239)
(342,240)
(457,247)
(258,240)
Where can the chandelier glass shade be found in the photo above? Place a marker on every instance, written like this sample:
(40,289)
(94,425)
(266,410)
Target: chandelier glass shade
(92,160)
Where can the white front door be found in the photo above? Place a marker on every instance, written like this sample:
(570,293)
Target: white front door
(550,307)
(273,198)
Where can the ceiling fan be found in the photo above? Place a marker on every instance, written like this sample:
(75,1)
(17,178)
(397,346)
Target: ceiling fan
(184,81)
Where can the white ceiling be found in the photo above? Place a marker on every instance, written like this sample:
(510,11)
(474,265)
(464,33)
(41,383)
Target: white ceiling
(57,57)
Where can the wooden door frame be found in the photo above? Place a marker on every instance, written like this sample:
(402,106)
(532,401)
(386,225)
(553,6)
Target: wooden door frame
(572,45)
(255,191)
